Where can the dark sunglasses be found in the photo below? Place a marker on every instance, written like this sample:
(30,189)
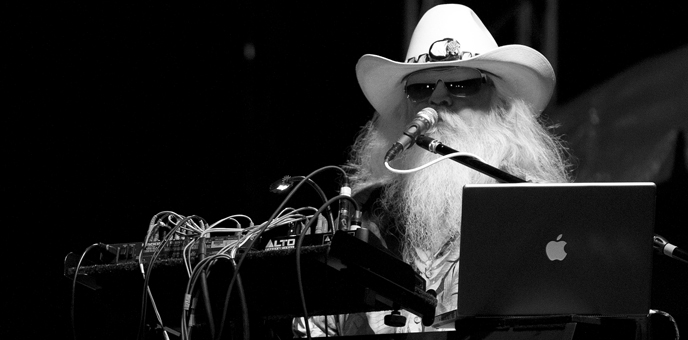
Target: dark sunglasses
(422,91)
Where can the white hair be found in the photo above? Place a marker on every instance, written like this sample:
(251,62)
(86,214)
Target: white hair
(426,205)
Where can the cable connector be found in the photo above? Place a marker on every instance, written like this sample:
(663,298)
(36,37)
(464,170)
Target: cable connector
(356,220)
(344,218)
(345,190)
(187,301)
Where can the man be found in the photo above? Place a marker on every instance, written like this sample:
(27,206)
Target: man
(489,101)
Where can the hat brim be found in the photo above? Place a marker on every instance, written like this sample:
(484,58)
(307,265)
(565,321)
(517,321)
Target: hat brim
(520,71)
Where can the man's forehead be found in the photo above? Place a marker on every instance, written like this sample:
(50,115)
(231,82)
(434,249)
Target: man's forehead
(444,73)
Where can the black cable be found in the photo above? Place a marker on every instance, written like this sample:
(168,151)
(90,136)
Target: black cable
(151,232)
(205,290)
(299,242)
(199,270)
(262,230)
(149,270)
(322,195)
(244,309)
(202,267)
(76,273)
(146,279)
(144,296)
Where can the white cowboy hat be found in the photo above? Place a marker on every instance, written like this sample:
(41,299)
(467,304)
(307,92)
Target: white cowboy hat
(453,35)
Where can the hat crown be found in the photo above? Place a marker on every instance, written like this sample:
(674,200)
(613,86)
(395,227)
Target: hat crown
(452,35)
(452,21)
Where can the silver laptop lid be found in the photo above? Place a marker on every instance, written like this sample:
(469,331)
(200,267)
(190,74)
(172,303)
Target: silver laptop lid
(545,249)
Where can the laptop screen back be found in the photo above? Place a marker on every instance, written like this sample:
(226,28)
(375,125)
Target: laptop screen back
(546,249)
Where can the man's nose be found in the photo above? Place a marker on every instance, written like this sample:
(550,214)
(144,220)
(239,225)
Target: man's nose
(440,96)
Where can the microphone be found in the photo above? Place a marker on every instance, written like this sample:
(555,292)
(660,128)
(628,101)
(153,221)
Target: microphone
(425,119)
(663,247)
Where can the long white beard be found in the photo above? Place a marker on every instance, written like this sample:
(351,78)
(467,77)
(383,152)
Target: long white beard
(428,202)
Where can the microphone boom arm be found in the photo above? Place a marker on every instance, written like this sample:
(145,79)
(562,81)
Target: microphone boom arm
(435,146)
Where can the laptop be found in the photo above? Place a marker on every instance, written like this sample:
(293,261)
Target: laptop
(555,249)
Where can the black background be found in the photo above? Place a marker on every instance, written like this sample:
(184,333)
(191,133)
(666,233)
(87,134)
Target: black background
(115,111)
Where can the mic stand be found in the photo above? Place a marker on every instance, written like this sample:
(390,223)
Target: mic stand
(435,146)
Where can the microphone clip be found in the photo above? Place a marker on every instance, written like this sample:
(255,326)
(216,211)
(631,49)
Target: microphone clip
(424,120)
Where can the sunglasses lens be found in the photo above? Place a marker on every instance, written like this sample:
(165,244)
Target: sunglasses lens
(464,88)
(419,92)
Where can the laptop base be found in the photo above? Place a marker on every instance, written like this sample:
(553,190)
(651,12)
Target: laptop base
(554,327)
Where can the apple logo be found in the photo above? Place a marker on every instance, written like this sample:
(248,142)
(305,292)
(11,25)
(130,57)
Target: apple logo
(555,249)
